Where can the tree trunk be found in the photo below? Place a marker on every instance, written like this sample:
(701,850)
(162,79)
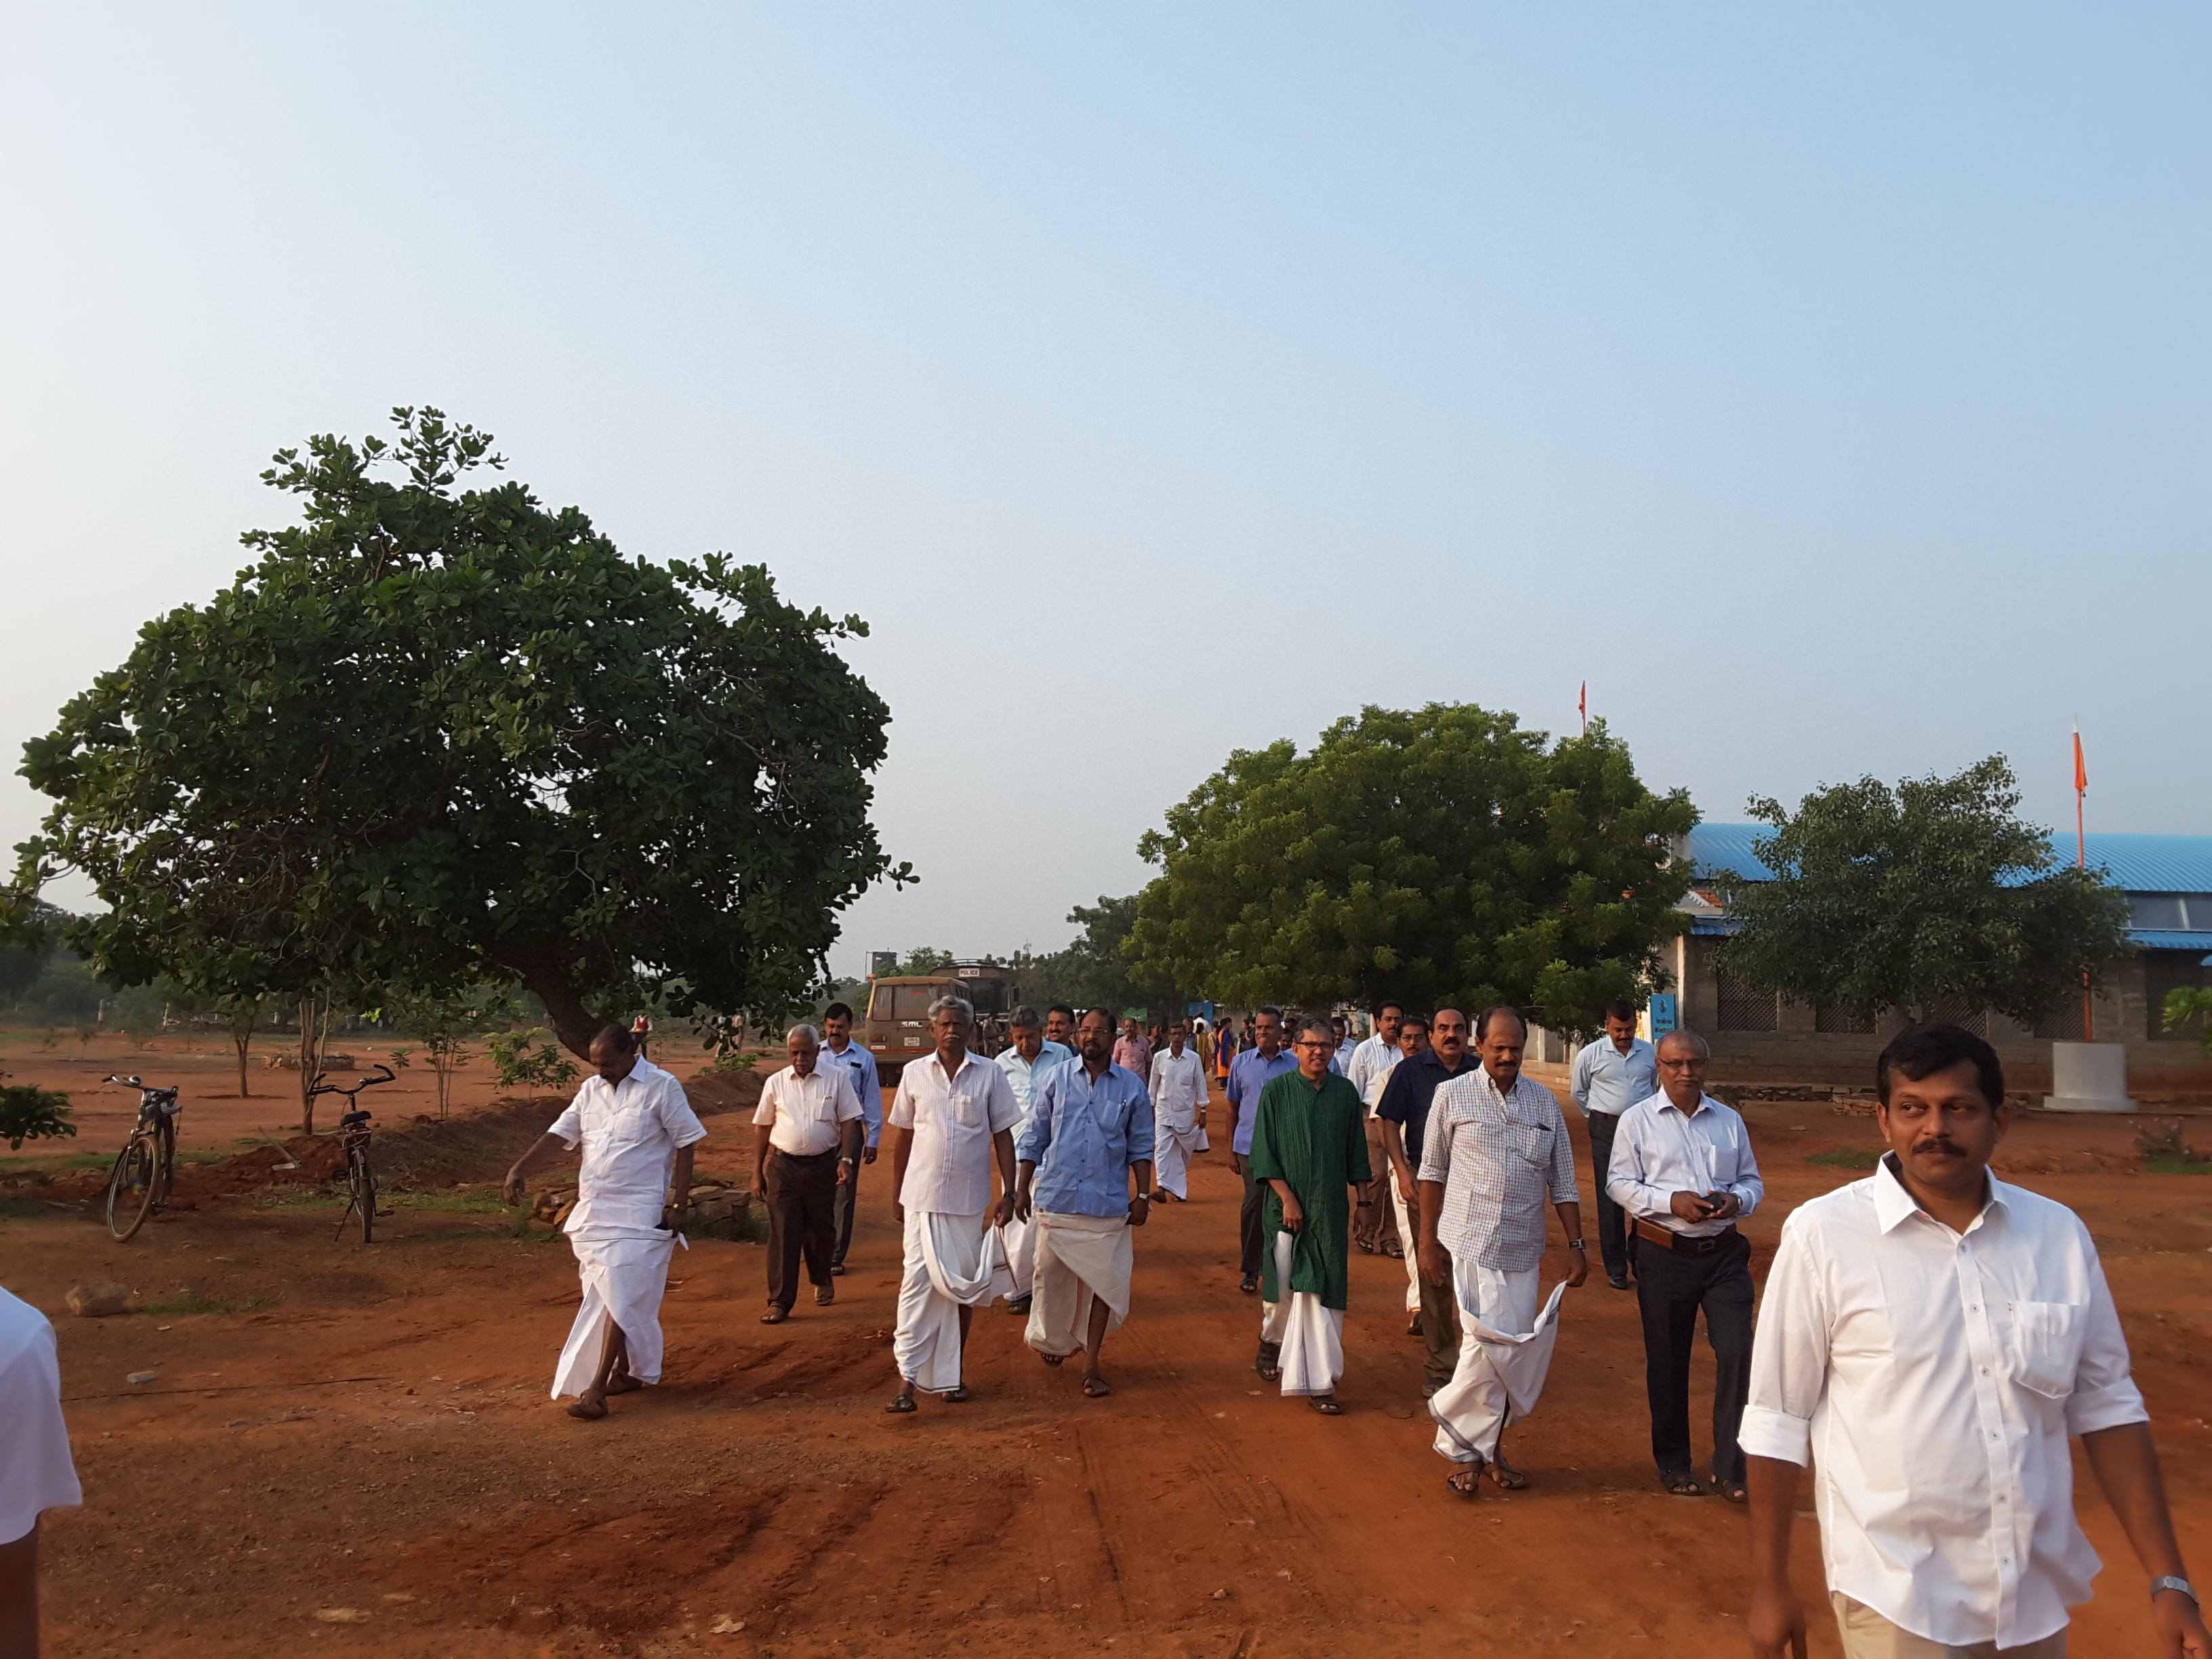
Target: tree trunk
(313,1017)
(547,976)
(245,1041)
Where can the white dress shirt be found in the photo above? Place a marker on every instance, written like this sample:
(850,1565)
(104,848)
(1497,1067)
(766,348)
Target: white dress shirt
(630,1134)
(803,1114)
(1178,1088)
(948,1171)
(1025,1077)
(1659,1150)
(1606,1080)
(1498,1157)
(1372,1055)
(1934,1377)
(35,1471)
(1378,1080)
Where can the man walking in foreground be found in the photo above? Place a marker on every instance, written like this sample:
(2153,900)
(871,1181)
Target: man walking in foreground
(807,1136)
(1403,1111)
(1178,1091)
(637,1131)
(840,1051)
(1250,1072)
(1027,1059)
(953,1115)
(1309,1147)
(1617,1071)
(1933,1336)
(1495,1149)
(1090,1130)
(1683,1170)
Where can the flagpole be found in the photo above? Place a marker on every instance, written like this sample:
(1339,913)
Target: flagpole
(2081,861)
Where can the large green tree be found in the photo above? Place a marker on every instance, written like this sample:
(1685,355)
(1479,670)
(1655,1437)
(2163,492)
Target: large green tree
(1440,856)
(438,735)
(1935,894)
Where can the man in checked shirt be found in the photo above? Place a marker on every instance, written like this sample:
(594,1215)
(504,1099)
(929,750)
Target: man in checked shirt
(1495,1148)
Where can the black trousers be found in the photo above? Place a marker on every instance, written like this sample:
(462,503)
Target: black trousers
(1250,1218)
(1670,1289)
(1616,1244)
(847,1200)
(802,1220)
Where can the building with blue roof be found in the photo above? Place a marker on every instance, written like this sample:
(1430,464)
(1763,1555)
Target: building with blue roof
(1758,1039)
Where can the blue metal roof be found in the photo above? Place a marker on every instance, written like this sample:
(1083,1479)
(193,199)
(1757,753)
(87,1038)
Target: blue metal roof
(2169,939)
(2140,864)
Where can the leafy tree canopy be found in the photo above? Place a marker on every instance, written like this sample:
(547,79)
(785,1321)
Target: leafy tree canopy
(436,736)
(1443,856)
(1935,892)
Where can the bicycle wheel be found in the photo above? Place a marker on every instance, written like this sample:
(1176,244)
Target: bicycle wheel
(132,1187)
(363,1182)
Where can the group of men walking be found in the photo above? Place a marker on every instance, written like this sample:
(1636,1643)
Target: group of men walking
(1910,1317)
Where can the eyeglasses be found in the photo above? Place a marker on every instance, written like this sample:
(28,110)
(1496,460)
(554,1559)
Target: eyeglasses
(1315,1046)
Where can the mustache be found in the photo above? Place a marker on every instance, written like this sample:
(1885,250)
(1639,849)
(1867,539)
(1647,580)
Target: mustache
(1940,1144)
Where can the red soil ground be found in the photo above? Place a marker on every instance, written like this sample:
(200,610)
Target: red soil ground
(370,1442)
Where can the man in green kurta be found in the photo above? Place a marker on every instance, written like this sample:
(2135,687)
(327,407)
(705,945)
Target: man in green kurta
(1309,1146)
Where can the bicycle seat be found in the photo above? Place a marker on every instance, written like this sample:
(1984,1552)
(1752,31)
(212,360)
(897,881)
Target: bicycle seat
(352,1118)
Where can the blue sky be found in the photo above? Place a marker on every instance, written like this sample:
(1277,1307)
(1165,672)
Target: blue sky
(1828,389)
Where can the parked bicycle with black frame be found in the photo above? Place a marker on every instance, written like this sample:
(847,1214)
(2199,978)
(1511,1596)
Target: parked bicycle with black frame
(146,1169)
(354,1134)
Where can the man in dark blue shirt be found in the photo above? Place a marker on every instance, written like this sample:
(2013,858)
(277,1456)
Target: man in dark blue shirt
(1403,1111)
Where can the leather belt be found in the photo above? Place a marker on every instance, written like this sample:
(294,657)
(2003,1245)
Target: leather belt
(1683,1243)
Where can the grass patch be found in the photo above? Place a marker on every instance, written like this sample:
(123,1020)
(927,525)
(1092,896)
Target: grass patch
(1847,1158)
(24,1208)
(2179,1165)
(190,1301)
(74,1161)
(447,1203)
(298,1198)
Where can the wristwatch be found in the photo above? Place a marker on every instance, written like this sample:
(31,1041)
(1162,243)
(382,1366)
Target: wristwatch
(2170,1583)
(1577,1244)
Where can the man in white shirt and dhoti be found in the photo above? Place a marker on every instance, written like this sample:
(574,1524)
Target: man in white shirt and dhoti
(1027,1059)
(953,1114)
(637,1131)
(1934,1338)
(1089,1131)
(1494,1148)
(1178,1091)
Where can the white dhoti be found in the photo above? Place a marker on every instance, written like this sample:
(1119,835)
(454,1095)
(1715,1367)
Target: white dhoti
(1017,1241)
(953,1261)
(1504,1352)
(1078,1257)
(625,1279)
(1308,1337)
(1408,1235)
(1172,1150)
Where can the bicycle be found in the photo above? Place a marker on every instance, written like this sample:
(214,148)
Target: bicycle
(146,1169)
(354,1134)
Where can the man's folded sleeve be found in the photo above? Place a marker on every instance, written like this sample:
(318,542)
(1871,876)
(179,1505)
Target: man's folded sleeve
(2105,1394)
(1789,1356)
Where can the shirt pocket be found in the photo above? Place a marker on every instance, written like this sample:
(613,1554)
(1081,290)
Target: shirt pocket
(1528,1143)
(966,1106)
(2045,1345)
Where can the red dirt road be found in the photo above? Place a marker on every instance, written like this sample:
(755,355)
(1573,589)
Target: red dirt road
(379,1445)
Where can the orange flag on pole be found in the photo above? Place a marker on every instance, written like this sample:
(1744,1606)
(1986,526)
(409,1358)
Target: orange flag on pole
(1581,706)
(2081,765)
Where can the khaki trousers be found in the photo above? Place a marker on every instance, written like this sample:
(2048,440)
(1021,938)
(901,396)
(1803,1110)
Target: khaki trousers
(1867,1635)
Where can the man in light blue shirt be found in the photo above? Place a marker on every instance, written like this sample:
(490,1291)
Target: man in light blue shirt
(1088,1132)
(1030,1059)
(1250,1073)
(1618,1071)
(840,1053)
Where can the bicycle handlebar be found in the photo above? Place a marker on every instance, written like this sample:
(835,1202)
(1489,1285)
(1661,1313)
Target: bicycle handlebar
(320,1087)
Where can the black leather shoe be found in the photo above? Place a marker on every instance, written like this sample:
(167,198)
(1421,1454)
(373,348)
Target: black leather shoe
(1248,1283)
(837,1268)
